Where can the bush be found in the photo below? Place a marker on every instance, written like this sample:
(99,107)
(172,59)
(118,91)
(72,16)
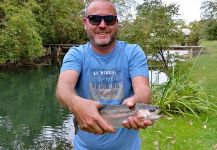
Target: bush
(180,95)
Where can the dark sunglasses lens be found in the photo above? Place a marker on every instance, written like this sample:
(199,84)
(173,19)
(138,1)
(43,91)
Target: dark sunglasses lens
(110,20)
(94,19)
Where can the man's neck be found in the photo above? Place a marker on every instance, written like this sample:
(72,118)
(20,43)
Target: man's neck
(103,50)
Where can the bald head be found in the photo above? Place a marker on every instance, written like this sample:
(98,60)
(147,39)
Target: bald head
(94,3)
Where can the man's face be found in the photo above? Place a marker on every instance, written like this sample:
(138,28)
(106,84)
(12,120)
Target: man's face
(101,31)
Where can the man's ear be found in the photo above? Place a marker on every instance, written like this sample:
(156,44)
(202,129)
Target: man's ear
(85,22)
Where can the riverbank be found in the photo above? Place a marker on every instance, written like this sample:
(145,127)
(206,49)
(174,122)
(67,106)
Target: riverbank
(188,132)
(41,61)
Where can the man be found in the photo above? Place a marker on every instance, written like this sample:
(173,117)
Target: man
(104,71)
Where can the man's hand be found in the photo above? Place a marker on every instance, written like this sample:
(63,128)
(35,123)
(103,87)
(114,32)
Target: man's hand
(135,122)
(85,111)
(87,114)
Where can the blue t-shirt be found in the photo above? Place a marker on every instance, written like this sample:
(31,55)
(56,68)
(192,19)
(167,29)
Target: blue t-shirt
(106,79)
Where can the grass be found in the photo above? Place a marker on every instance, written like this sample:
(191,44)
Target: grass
(181,133)
(189,132)
(205,69)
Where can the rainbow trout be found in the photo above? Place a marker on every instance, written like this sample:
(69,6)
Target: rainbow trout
(116,114)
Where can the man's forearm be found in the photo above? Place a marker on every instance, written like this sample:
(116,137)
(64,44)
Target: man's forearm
(65,91)
(65,94)
(142,92)
(142,95)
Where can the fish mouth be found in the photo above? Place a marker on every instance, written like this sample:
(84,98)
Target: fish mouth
(157,111)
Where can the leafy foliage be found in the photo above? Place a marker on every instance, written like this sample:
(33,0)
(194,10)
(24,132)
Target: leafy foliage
(209,9)
(61,21)
(209,16)
(153,28)
(204,29)
(211,29)
(19,38)
(26,25)
(195,34)
(180,95)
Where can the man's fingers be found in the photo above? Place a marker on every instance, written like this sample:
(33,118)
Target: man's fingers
(105,126)
(92,122)
(129,102)
(126,124)
(131,123)
(97,130)
(137,123)
(93,127)
(148,122)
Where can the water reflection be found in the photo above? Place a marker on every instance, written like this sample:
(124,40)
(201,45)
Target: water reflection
(172,55)
(157,77)
(59,137)
(177,56)
(30,116)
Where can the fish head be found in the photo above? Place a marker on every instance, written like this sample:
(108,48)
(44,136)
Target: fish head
(149,112)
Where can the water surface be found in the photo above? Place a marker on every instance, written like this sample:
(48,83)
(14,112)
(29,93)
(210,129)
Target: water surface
(30,116)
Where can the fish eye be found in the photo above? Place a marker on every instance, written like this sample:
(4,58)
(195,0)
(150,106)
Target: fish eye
(152,110)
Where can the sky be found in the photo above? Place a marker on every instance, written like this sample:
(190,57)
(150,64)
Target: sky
(189,10)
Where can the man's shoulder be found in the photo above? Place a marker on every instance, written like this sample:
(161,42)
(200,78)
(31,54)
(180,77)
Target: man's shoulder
(80,47)
(125,43)
(77,50)
(128,47)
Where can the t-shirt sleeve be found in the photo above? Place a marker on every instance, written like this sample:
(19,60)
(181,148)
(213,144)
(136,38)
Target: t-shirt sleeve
(72,60)
(138,65)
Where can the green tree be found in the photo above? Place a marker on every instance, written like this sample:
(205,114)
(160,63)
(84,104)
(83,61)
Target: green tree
(26,25)
(209,14)
(19,38)
(211,29)
(61,21)
(154,29)
(195,34)
(123,5)
(209,8)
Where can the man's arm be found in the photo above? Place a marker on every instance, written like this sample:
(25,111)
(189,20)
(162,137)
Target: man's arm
(142,94)
(85,111)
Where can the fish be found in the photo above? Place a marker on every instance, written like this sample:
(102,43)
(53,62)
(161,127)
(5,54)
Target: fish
(116,114)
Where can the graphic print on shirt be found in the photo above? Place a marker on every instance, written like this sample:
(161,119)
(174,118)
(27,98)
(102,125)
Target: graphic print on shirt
(106,84)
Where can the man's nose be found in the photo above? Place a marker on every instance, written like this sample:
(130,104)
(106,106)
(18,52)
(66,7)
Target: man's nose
(102,24)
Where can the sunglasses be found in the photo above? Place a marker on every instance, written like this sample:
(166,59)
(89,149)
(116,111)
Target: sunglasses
(96,19)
